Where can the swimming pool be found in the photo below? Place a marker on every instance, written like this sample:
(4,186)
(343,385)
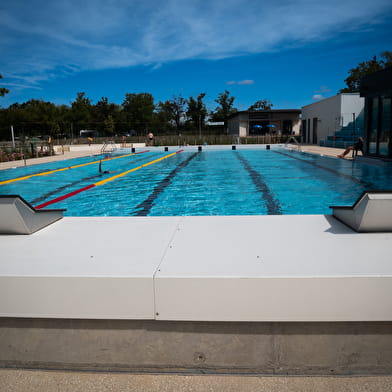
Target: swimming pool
(179,182)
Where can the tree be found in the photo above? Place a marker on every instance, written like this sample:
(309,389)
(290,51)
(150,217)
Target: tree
(139,110)
(35,117)
(225,108)
(263,104)
(81,111)
(173,110)
(3,90)
(353,81)
(105,113)
(197,110)
(109,125)
(177,107)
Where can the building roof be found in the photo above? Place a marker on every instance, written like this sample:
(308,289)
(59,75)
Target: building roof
(298,111)
(336,96)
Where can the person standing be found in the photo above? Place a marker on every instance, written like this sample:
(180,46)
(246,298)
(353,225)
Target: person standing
(150,139)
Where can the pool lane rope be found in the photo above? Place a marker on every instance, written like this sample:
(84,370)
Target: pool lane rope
(103,182)
(67,168)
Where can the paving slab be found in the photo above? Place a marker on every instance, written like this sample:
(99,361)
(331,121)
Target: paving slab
(45,381)
(84,267)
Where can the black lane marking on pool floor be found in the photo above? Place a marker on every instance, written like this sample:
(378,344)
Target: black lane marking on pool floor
(273,206)
(62,188)
(351,178)
(146,205)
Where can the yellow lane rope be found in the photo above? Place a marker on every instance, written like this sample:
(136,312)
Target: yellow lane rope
(106,180)
(62,169)
(103,182)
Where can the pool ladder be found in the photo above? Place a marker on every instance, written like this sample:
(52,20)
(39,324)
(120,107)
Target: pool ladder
(108,147)
(292,139)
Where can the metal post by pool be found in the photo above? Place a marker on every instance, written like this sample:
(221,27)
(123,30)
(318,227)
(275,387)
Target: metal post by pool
(12,135)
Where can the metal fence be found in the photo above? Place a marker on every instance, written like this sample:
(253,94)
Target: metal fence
(32,148)
(181,140)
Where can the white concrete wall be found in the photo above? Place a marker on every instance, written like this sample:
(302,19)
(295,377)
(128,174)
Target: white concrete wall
(296,127)
(333,114)
(351,104)
(243,128)
(198,268)
(328,112)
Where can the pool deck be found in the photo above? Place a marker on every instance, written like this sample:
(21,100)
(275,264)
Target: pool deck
(328,248)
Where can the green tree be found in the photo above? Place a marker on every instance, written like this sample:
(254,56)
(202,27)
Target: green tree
(353,81)
(139,110)
(35,117)
(164,116)
(225,108)
(173,111)
(3,90)
(263,104)
(109,125)
(197,110)
(105,115)
(81,111)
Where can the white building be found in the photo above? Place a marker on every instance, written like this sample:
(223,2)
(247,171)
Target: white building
(265,122)
(338,119)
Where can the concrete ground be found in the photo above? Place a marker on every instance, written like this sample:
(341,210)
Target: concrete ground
(21,380)
(61,381)
(315,149)
(78,153)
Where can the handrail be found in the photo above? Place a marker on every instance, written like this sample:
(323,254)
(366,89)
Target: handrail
(293,138)
(108,147)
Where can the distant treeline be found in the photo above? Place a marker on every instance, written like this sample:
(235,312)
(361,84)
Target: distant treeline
(137,115)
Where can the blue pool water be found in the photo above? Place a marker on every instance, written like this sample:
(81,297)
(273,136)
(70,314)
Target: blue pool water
(211,182)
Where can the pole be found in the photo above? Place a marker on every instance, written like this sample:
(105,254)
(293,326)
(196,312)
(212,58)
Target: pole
(353,125)
(200,127)
(353,136)
(12,135)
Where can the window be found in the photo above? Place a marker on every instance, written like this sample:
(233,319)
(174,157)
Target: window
(372,136)
(287,127)
(385,129)
(303,131)
(314,138)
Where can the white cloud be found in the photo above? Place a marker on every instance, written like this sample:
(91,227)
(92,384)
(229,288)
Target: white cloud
(241,82)
(47,39)
(323,89)
(317,97)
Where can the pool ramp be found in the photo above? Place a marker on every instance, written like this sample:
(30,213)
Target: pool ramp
(19,217)
(372,212)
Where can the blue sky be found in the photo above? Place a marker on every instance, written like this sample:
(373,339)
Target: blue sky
(290,52)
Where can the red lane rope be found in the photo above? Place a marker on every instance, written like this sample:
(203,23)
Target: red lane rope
(64,196)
